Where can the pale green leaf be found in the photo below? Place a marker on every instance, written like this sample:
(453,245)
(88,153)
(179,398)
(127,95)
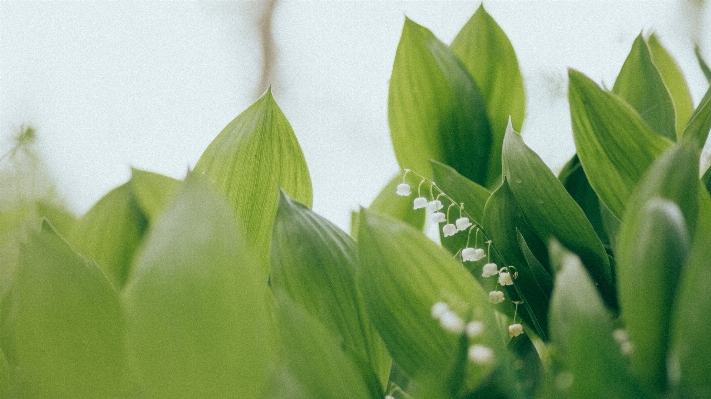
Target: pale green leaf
(702,63)
(195,308)
(614,144)
(314,264)
(435,110)
(674,81)
(490,59)
(640,84)
(153,192)
(698,127)
(62,328)
(249,160)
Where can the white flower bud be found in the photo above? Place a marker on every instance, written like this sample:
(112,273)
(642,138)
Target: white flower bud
(434,205)
(463,223)
(449,230)
(490,269)
(505,278)
(451,322)
(480,354)
(403,189)
(472,254)
(420,202)
(474,328)
(438,309)
(438,217)
(515,330)
(496,297)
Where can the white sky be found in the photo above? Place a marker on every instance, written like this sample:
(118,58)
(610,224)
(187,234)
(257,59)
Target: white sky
(149,85)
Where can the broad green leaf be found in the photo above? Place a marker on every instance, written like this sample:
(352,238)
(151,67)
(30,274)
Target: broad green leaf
(315,362)
(503,221)
(640,84)
(674,81)
(153,192)
(539,272)
(576,184)
(582,334)
(195,309)
(552,212)
(314,264)
(253,156)
(401,275)
(435,109)
(698,127)
(690,346)
(62,328)
(60,218)
(110,233)
(702,63)
(614,144)
(489,57)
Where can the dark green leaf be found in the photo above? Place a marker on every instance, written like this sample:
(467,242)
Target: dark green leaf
(249,160)
(314,264)
(614,144)
(489,57)
(435,110)
(674,81)
(640,84)
(62,328)
(552,212)
(539,272)
(152,191)
(195,308)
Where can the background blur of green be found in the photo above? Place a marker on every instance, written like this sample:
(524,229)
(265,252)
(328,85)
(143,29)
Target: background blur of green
(149,85)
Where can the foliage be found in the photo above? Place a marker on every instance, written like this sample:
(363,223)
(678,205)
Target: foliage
(227,284)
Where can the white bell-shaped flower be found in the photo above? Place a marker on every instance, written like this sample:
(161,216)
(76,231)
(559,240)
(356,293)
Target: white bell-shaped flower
(463,223)
(438,217)
(449,230)
(438,309)
(403,189)
(434,205)
(451,322)
(474,328)
(505,278)
(480,354)
(420,202)
(496,297)
(472,254)
(515,330)
(490,269)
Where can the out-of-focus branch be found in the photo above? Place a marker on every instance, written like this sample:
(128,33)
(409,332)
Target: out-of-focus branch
(264,25)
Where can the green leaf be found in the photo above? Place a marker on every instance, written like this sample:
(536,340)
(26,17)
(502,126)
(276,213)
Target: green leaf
(110,233)
(489,57)
(698,127)
(702,64)
(195,309)
(314,264)
(614,144)
(640,84)
(552,212)
(153,192)
(690,346)
(62,328)
(503,221)
(249,160)
(539,272)
(674,81)
(461,189)
(314,360)
(401,275)
(582,334)
(529,368)
(399,207)
(435,110)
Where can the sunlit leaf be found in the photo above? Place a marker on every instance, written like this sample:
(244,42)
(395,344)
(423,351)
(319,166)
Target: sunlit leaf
(582,333)
(249,160)
(489,57)
(674,81)
(110,233)
(314,264)
(196,317)
(552,212)
(401,275)
(435,110)
(62,328)
(153,192)
(614,144)
(640,84)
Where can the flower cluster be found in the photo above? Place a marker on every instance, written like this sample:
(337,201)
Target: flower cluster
(452,322)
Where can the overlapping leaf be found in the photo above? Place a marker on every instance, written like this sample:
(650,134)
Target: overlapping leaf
(153,192)
(435,110)
(483,48)
(699,124)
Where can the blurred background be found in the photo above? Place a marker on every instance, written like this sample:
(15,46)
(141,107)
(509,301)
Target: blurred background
(106,86)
